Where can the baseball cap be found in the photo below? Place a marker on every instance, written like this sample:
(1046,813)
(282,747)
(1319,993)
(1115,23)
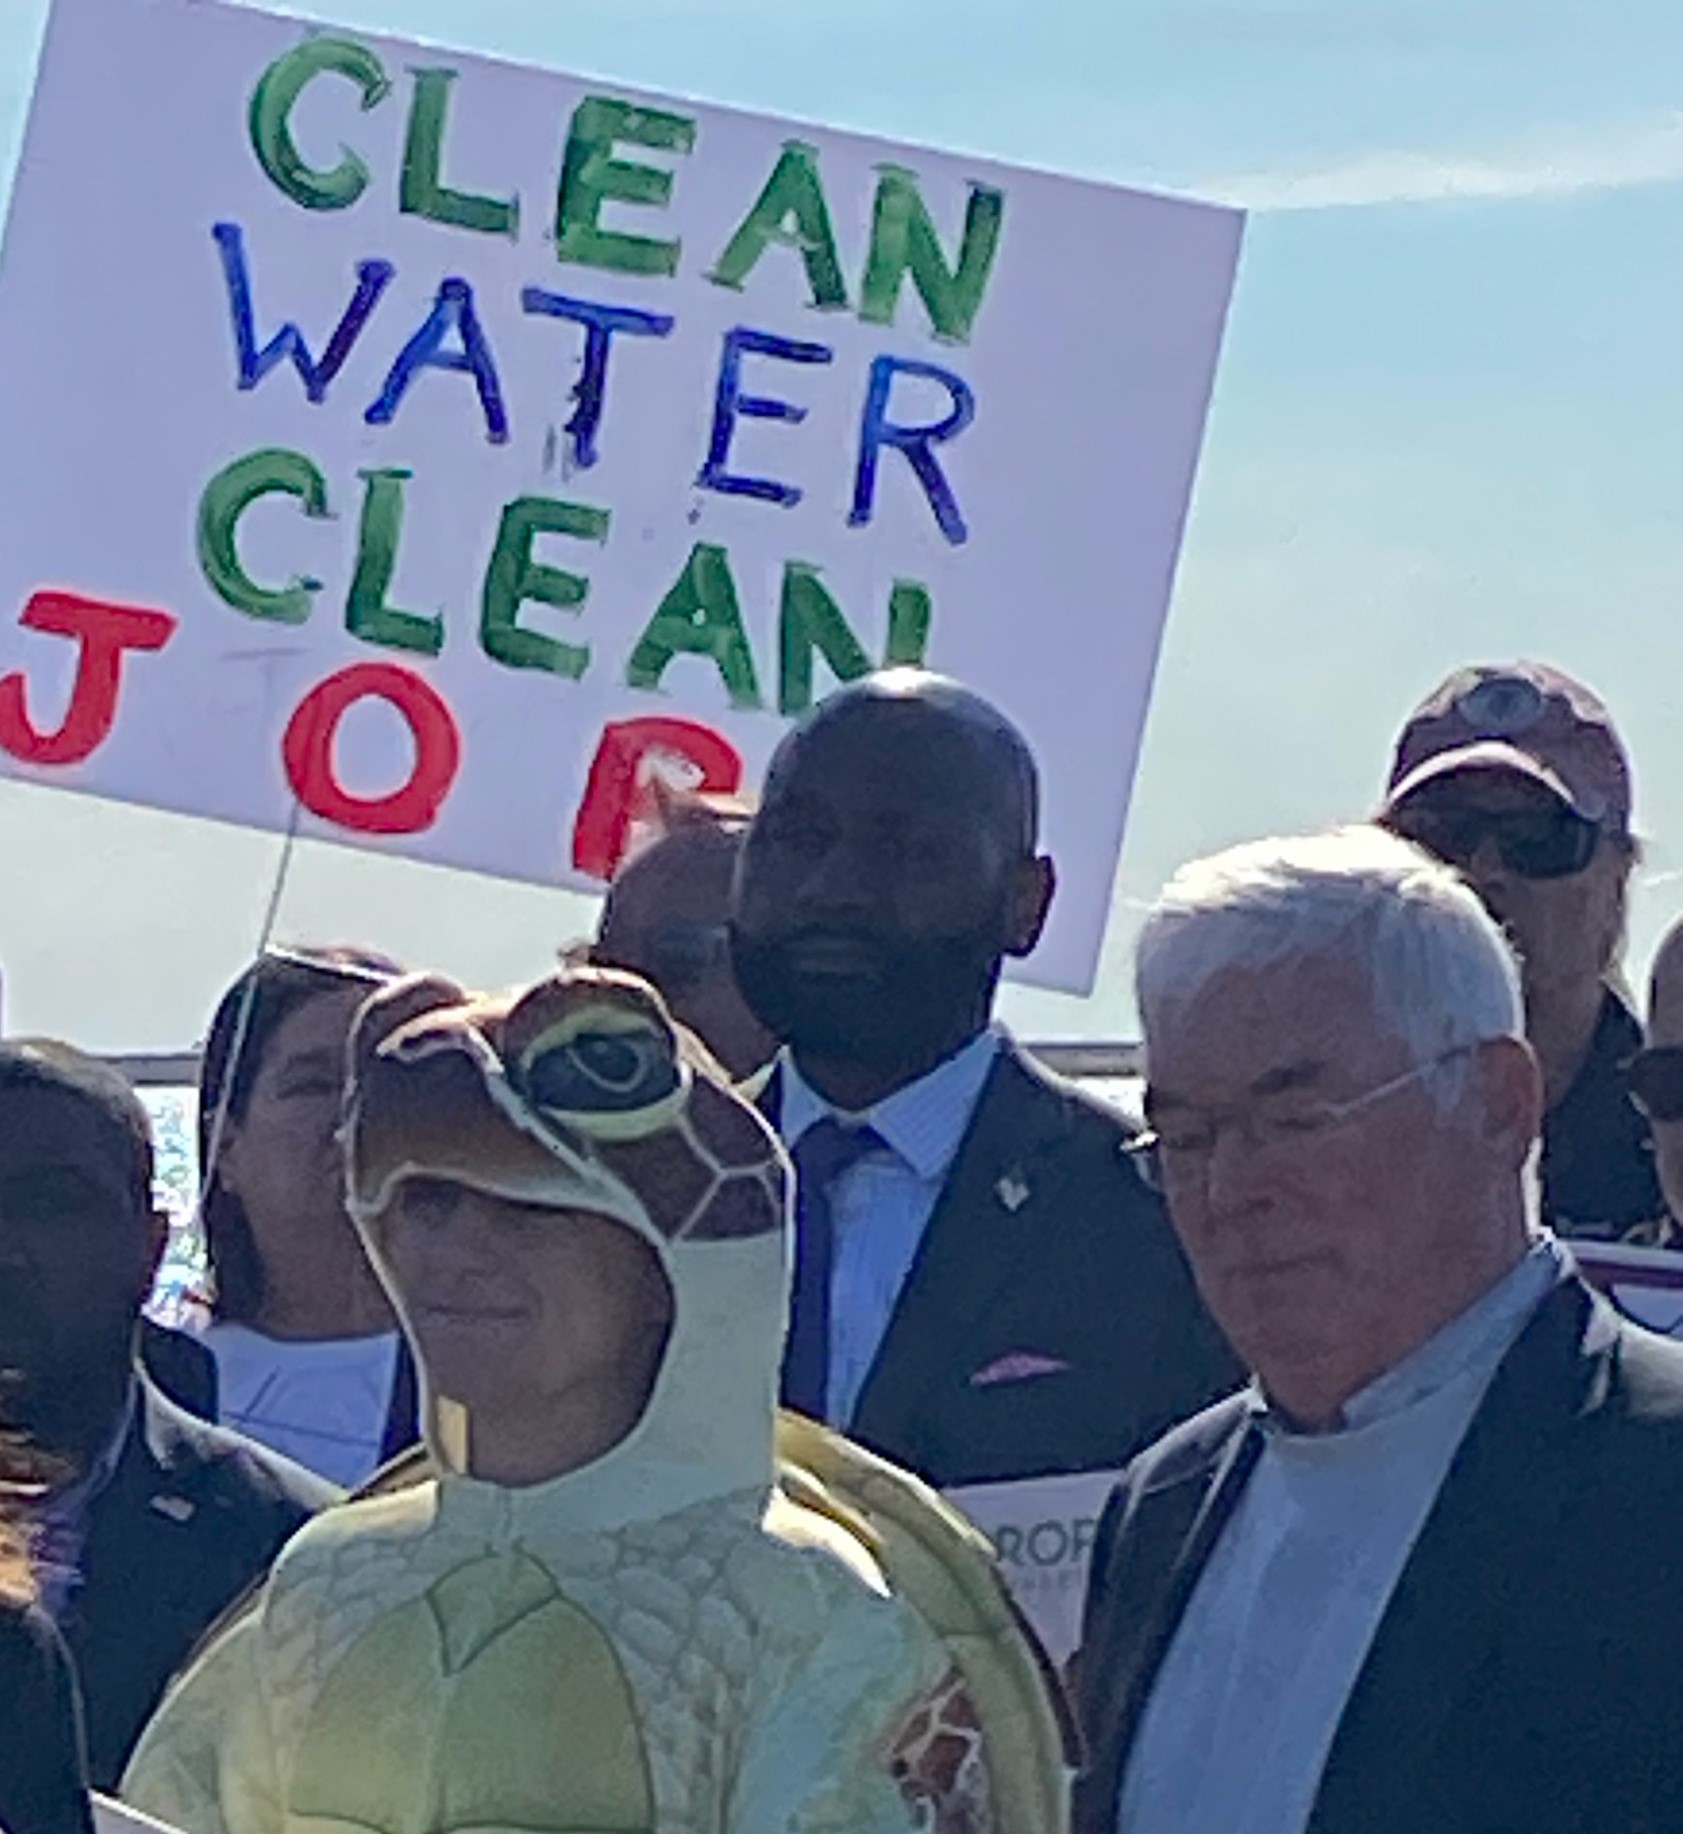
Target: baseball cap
(1526,718)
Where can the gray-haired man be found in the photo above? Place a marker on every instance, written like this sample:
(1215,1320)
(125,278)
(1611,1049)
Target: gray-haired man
(1419,1575)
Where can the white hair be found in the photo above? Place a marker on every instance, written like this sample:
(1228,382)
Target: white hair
(1442,973)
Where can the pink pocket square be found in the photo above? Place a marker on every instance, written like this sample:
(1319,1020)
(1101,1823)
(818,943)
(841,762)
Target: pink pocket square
(1019,1366)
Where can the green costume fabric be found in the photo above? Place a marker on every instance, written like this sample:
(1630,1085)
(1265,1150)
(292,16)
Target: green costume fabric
(659,1642)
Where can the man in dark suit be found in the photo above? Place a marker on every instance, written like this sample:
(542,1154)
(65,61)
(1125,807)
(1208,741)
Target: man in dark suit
(1421,1575)
(147,1523)
(984,1287)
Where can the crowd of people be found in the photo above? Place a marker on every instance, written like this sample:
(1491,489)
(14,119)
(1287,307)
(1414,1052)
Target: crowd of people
(529,1275)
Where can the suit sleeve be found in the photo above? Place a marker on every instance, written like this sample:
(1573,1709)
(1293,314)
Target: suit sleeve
(207,1762)
(42,1779)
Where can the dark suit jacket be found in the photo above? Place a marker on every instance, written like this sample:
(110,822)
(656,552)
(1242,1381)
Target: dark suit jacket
(1044,1244)
(1527,1676)
(41,1780)
(191,1517)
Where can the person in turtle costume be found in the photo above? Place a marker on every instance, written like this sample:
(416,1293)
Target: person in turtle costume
(618,1596)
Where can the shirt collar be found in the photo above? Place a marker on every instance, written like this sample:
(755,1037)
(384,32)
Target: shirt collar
(1474,1341)
(924,1123)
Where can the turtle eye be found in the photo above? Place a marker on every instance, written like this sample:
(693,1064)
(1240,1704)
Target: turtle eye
(600,1072)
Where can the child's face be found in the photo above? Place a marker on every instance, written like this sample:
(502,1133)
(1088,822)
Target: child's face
(518,1308)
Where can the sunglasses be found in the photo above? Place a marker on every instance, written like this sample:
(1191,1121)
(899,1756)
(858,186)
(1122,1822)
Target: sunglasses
(1655,1080)
(1551,843)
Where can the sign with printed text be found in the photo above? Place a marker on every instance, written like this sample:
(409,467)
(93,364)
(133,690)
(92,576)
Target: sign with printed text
(442,447)
(1644,1283)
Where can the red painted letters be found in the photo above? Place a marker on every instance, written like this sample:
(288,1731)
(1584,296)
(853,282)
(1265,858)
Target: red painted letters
(618,774)
(105,631)
(308,750)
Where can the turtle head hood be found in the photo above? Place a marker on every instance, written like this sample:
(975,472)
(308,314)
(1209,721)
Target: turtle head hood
(580,1095)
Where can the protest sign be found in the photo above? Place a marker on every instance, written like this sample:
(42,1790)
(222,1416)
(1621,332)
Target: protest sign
(1042,1530)
(111,1817)
(440,445)
(1644,1283)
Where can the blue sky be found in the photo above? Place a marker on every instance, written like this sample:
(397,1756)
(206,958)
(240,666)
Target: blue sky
(1448,425)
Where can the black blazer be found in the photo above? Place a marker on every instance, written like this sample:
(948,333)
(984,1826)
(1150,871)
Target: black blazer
(1049,1322)
(192,1516)
(1527,1676)
(42,1787)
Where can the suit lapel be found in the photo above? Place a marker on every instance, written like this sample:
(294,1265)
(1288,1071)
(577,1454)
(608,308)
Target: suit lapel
(123,1624)
(1496,1517)
(991,1210)
(1228,1478)
(1185,1519)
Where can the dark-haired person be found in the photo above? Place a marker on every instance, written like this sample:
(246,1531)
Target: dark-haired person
(309,1358)
(43,1786)
(1655,1077)
(667,918)
(1515,774)
(985,1288)
(155,1521)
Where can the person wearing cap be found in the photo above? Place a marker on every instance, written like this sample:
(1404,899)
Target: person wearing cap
(1515,774)
(597,1607)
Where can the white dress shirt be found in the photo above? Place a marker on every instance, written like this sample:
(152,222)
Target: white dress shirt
(881,1205)
(1244,1710)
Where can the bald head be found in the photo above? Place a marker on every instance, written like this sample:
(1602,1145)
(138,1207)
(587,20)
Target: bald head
(911,708)
(890,870)
(666,918)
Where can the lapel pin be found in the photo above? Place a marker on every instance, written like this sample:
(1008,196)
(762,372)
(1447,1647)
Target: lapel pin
(1012,1191)
(175,1508)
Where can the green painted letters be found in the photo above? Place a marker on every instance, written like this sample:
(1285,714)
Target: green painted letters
(423,192)
(592,177)
(271,472)
(909,616)
(699,616)
(903,241)
(515,577)
(812,622)
(367,615)
(274,99)
(791,210)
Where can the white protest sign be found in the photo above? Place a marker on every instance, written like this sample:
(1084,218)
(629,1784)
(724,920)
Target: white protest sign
(1042,1530)
(1644,1283)
(111,1817)
(447,444)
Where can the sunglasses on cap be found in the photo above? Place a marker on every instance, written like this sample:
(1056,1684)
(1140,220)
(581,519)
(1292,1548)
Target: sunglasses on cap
(1655,1080)
(1542,843)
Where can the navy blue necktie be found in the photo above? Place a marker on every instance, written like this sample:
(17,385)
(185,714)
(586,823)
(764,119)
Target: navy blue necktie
(823,1156)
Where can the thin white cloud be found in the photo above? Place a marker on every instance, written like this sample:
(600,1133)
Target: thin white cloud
(1563,165)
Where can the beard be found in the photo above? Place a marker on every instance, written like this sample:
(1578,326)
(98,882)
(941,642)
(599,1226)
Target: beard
(902,1001)
(54,1385)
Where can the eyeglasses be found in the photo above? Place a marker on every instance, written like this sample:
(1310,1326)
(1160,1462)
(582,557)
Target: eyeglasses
(1655,1080)
(1543,843)
(1190,1136)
